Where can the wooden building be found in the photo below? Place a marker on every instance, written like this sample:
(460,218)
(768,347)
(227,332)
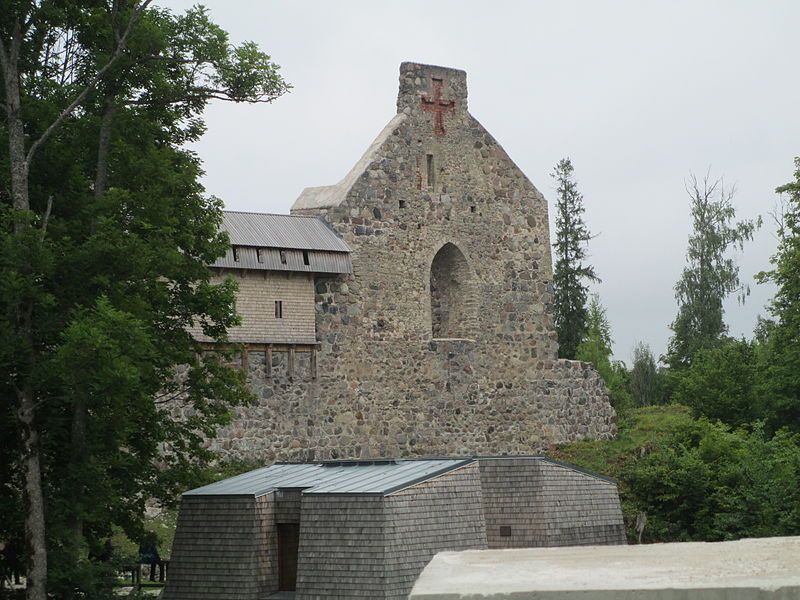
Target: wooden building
(275,260)
(366,529)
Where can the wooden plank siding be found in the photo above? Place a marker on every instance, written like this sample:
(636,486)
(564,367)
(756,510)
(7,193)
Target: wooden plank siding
(445,513)
(224,549)
(537,503)
(255,303)
(341,552)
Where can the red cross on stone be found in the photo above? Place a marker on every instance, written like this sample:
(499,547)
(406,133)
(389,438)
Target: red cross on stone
(437,106)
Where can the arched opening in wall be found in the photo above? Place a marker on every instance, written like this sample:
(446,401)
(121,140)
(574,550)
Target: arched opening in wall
(452,294)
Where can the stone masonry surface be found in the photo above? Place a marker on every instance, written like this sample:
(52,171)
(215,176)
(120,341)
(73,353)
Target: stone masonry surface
(441,341)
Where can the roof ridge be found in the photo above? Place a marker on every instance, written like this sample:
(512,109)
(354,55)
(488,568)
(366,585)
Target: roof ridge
(269,214)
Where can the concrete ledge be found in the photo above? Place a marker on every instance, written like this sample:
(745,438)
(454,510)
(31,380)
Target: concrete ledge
(754,569)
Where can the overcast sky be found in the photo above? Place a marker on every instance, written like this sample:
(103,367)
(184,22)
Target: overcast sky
(636,93)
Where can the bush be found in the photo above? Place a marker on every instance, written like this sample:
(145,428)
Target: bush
(696,479)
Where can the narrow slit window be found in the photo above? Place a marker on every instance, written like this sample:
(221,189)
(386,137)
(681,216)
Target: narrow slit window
(431,180)
(305,257)
(235,254)
(283,257)
(259,255)
(402,203)
(278,309)
(472,209)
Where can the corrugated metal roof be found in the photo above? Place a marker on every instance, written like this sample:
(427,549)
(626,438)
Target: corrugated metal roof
(347,477)
(280,231)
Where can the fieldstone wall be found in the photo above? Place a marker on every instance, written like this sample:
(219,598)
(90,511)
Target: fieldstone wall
(442,339)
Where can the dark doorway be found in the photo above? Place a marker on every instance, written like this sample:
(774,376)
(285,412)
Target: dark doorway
(288,542)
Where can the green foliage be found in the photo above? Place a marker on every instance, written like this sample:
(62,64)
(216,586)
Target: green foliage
(709,483)
(596,344)
(644,376)
(695,479)
(97,295)
(721,383)
(596,349)
(570,273)
(781,382)
(709,275)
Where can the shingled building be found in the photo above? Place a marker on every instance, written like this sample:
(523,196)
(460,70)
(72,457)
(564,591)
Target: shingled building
(366,529)
(439,340)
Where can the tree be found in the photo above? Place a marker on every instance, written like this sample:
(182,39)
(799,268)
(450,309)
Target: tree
(697,479)
(571,273)
(596,344)
(644,376)
(781,381)
(720,383)
(105,235)
(709,275)
(596,349)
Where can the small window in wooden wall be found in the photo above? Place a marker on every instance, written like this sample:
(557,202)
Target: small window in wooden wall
(505,531)
(283,257)
(259,255)
(305,257)
(235,254)
(278,309)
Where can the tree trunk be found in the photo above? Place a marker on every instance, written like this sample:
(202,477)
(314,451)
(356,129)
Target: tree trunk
(35,540)
(104,145)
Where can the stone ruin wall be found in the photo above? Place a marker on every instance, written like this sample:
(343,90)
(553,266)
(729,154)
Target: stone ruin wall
(384,385)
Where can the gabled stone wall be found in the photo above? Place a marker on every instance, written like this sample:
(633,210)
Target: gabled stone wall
(404,369)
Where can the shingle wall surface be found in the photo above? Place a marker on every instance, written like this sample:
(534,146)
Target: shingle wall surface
(255,302)
(579,509)
(287,506)
(221,549)
(445,513)
(532,503)
(266,545)
(341,553)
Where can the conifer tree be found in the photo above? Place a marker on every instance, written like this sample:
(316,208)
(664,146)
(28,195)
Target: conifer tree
(709,275)
(571,274)
(595,348)
(643,376)
(596,344)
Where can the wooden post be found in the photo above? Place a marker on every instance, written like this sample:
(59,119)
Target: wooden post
(245,359)
(268,366)
(313,363)
(291,361)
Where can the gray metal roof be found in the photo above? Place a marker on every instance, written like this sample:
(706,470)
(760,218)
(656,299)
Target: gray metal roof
(280,231)
(380,477)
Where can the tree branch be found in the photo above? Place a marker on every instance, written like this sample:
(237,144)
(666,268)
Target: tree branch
(46,218)
(89,86)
